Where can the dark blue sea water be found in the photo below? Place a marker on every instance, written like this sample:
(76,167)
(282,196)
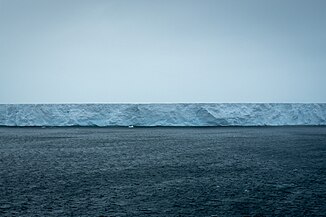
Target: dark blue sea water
(251,171)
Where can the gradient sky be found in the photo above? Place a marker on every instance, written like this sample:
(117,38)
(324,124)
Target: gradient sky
(77,51)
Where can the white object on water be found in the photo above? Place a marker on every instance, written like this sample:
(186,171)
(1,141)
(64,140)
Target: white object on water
(192,114)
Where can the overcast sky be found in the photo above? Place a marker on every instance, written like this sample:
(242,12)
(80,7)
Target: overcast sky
(75,51)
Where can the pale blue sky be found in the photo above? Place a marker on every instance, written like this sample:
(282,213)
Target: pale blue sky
(77,51)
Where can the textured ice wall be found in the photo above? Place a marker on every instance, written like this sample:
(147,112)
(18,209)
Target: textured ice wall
(219,114)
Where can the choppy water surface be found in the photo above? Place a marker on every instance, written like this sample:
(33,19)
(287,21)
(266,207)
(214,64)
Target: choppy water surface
(163,171)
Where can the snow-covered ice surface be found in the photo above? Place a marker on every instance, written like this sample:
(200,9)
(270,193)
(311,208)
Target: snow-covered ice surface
(192,114)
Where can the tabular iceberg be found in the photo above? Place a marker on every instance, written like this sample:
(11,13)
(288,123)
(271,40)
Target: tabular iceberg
(179,114)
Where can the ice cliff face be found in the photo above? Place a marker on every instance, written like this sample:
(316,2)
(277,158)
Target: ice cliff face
(219,114)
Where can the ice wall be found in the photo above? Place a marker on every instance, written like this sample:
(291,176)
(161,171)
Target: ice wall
(215,114)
